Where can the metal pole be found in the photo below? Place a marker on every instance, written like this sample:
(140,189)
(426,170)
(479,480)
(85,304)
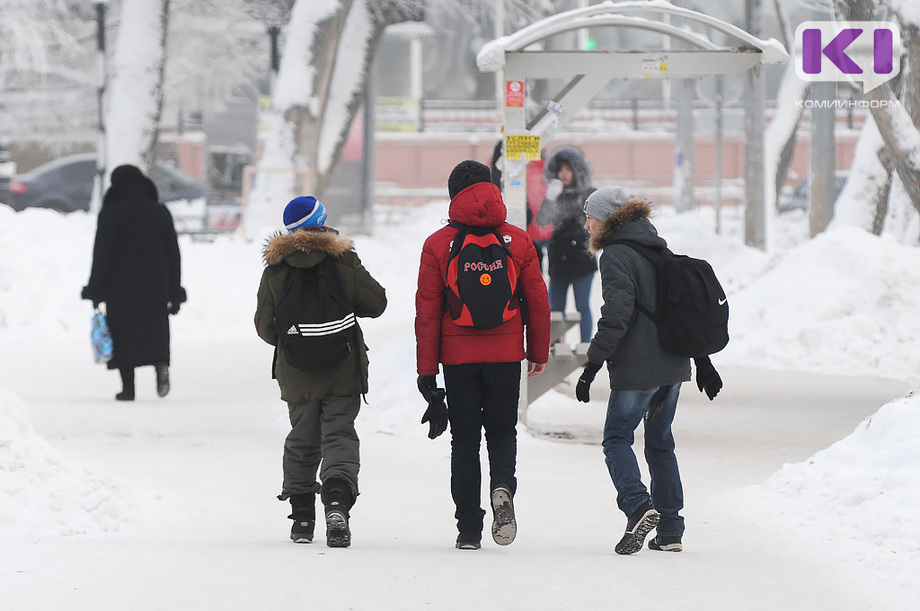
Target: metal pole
(821,189)
(718,202)
(755,221)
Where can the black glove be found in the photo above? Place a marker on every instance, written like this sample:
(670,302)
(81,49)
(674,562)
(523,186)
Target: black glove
(427,385)
(707,378)
(584,382)
(87,294)
(173,307)
(436,415)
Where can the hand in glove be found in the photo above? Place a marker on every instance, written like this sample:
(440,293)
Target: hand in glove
(436,414)
(707,378)
(553,189)
(584,382)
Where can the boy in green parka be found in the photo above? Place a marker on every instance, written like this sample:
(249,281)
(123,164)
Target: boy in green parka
(322,404)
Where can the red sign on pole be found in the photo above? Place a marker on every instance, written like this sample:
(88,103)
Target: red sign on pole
(514,93)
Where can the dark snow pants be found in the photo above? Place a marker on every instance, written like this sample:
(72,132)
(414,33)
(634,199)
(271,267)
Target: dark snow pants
(481,396)
(322,434)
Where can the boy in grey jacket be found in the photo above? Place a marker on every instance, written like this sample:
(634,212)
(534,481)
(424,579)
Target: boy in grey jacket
(645,380)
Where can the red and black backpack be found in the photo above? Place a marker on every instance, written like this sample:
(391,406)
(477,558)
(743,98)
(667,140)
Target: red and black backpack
(481,278)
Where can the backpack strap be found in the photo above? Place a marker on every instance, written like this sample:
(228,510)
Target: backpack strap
(654,255)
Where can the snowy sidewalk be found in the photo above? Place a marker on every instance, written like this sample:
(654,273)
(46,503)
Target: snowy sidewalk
(202,530)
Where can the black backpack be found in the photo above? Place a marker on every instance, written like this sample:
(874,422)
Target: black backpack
(314,318)
(692,311)
(481,278)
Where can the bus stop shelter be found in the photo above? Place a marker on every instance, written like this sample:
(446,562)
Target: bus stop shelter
(529,125)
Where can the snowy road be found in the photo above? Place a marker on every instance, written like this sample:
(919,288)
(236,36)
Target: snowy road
(203,531)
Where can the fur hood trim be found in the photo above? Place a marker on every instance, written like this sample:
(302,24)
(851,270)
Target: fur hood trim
(328,241)
(631,211)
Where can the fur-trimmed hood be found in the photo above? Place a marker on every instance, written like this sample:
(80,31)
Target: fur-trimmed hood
(575,158)
(305,247)
(630,221)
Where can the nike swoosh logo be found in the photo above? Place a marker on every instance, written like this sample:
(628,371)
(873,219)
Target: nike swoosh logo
(722,301)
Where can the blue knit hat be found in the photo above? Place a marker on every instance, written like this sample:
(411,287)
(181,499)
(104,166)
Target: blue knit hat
(304,211)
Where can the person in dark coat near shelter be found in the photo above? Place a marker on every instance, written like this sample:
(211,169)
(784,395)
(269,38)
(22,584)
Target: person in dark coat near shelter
(571,262)
(136,272)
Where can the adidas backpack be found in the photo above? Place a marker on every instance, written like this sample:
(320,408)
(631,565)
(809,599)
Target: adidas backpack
(692,311)
(314,318)
(481,279)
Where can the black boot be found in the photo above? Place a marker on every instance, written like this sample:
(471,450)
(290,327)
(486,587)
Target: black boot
(127,384)
(162,379)
(303,512)
(337,501)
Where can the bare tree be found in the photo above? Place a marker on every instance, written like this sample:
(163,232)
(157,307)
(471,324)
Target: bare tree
(320,86)
(136,85)
(897,122)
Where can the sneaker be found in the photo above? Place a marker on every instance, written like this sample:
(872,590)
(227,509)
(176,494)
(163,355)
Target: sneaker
(640,523)
(125,395)
(162,380)
(337,532)
(469,540)
(665,544)
(504,526)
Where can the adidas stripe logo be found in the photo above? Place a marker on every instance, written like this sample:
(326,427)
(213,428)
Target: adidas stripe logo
(293,330)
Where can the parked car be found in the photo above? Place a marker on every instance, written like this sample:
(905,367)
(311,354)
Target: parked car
(797,199)
(66,184)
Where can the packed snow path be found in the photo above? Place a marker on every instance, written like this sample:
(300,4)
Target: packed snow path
(201,528)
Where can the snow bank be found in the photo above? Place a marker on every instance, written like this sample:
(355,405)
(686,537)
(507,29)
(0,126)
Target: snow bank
(864,488)
(41,492)
(845,302)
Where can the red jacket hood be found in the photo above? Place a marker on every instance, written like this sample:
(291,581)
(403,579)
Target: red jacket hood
(479,205)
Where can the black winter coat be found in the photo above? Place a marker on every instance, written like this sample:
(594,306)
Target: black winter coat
(569,254)
(135,270)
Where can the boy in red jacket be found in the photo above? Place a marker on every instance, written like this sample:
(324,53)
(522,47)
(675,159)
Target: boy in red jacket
(482,366)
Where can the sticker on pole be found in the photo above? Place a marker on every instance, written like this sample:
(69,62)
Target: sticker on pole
(864,51)
(523,146)
(514,94)
(654,65)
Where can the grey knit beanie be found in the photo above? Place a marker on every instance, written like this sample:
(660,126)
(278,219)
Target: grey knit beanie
(604,202)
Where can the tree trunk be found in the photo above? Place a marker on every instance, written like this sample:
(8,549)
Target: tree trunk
(136,86)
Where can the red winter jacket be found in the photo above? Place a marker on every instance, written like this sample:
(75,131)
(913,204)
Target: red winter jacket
(438,339)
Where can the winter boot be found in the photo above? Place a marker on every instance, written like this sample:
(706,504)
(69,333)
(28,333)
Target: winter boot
(127,384)
(303,512)
(162,379)
(337,500)
(640,523)
(504,526)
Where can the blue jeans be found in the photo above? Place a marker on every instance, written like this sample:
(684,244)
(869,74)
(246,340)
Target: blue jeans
(625,410)
(581,286)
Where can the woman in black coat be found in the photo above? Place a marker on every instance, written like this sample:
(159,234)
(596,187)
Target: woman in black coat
(571,263)
(136,272)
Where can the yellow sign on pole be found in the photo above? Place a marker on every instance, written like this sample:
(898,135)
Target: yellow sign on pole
(523,146)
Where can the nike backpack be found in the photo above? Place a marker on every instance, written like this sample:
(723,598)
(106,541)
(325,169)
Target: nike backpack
(481,279)
(314,318)
(692,311)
